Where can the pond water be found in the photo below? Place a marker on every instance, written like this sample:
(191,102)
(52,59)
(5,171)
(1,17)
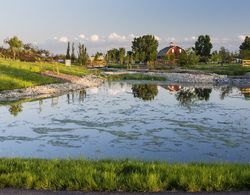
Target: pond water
(132,120)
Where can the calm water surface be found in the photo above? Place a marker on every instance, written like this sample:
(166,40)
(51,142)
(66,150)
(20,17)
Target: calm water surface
(129,120)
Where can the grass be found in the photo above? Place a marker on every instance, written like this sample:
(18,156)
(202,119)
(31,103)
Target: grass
(226,69)
(122,175)
(16,75)
(136,77)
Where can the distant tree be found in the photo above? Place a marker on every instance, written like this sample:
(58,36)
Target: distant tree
(224,55)
(188,58)
(130,57)
(15,45)
(82,55)
(245,48)
(73,57)
(145,48)
(68,52)
(215,57)
(203,47)
(122,53)
(112,56)
(98,55)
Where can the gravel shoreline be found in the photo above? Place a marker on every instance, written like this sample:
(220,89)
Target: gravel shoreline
(50,90)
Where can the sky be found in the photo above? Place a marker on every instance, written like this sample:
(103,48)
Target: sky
(107,24)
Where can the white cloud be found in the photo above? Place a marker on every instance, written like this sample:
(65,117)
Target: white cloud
(158,38)
(115,37)
(95,38)
(63,39)
(242,37)
(82,36)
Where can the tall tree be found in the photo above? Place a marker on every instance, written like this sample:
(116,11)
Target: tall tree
(68,52)
(82,54)
(203,47)
(245,48)
(145,48)
(122,53)
(15,45)
(73,56)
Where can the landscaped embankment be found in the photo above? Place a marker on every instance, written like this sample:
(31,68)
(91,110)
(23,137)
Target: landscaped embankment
(122,175)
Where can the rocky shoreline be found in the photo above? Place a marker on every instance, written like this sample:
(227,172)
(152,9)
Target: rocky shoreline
(50,90)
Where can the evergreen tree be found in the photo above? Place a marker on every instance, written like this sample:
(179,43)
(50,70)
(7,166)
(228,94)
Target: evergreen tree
(82,55)
(68,52)
(73,57)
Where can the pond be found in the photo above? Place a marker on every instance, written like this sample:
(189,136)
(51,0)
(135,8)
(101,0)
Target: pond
(136,120)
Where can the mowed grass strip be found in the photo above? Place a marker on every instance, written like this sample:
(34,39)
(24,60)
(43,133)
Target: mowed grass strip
(122,175)
(136,76)
(16,74)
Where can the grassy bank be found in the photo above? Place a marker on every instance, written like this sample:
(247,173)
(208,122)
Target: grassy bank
(135,77)
(121,175)
(226,69)
(16,75)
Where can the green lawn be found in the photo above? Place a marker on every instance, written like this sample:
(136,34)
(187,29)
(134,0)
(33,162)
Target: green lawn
(226,69)
(122,175)
(15,74)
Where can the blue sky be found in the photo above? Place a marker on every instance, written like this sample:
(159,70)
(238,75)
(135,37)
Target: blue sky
(104,24)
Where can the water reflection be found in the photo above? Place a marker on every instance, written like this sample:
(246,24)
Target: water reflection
(15,109)
(145,92)
(112,123)
(246,93)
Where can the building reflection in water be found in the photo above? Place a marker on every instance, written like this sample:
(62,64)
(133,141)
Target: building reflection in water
(246,93)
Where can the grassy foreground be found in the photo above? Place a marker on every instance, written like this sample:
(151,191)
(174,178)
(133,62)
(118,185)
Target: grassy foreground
(16,74)
(124,175)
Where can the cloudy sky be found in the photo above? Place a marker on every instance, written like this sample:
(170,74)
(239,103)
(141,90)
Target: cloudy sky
(105,24)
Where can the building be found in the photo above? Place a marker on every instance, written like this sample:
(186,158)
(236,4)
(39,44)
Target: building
(170,54)
(96,63)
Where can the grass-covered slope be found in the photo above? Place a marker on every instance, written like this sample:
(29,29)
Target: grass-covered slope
(124,175)
(16,74)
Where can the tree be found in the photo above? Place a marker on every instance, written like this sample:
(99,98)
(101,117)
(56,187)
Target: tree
(145,48)
(245,48)
(82,55)
(68,52)
(215,57)
(122,53)
(225,56)
(97,56)
(188,58)
(15,45)
(73,57)
(130,57)
(113,56)
(203,47)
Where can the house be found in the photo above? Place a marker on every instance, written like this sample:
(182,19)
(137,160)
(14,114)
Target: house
(170,54)
(96,63)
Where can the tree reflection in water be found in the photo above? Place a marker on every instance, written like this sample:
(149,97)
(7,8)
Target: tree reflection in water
(187,96)
(72,97)
(145,92)
(15,109)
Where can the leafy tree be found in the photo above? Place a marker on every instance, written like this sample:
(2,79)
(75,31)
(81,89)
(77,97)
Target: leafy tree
(188,58)
(215,57)
(245,48)
(225,56)
(113,56)
(130,57)
(82,55)
(73,57)
(15,45)
(145,92)
(145,48)
(97,55)
(203,47)
(122,53)
(68,52)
